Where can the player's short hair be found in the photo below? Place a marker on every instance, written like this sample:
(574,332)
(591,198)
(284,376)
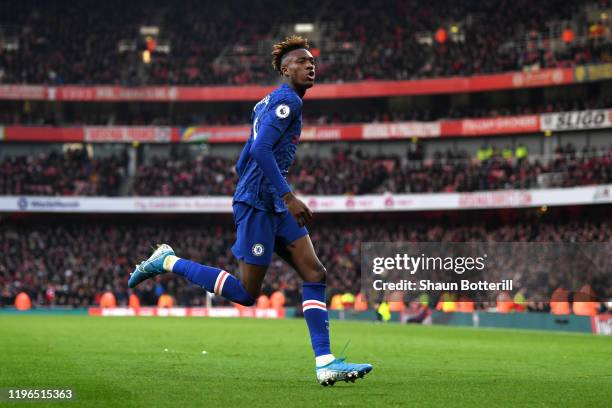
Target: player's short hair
(279,50)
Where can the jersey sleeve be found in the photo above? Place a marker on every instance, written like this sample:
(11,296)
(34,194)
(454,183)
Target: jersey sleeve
(261,151)
(268,129)
(282,113)
(244,157)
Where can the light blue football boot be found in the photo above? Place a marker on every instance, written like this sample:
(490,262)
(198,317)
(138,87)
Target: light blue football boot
(339,370)
(151,267)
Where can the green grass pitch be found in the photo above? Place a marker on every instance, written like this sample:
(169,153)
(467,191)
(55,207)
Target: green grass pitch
(251,363)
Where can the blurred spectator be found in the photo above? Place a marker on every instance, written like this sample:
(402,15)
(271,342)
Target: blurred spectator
(71,173)
(98,43)
(82,260)
(185,177)
(346,172)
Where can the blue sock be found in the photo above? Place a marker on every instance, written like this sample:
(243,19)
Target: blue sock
(315,313)
(214,280)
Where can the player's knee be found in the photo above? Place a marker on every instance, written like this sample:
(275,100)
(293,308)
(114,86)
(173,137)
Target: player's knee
(317,274)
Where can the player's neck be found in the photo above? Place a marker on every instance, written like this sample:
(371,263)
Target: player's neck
(300,91)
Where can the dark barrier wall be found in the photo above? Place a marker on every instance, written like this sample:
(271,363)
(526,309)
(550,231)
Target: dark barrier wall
(535,321)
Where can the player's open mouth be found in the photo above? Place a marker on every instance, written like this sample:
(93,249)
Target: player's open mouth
(311,76)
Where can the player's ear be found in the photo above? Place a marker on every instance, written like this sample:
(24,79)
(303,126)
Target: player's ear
(285,67)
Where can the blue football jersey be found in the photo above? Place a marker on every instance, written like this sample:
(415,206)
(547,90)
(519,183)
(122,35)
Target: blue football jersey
(281,109)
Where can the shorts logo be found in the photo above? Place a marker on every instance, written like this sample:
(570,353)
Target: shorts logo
(257,250)
(282,111)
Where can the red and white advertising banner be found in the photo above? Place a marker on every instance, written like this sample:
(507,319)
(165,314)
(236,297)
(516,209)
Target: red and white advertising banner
(577,120)
(491,126)
(400,130)
(322,204)
(361,89)
(239,134)
(215,134)
(173,205)
(503,199)
(20,92)
(331,133)
(602,324)
(149,134)
(188,312)
(43,134)
(527,124)
(544,77)
(112,93)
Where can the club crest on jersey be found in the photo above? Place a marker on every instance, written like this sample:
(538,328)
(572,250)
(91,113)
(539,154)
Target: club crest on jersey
(282,111)
(257,250)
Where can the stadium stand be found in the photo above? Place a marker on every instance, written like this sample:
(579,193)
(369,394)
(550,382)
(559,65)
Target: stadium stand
(193,44)
(346,172)
(70,173)
(73,263)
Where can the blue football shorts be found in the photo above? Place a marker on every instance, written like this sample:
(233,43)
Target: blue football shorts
(260,232)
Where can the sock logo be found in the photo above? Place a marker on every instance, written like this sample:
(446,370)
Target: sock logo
(257,250)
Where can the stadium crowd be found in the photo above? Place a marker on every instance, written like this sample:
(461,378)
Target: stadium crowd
(491,32)
(81,44)
(73,263)
(181,177)
(351,172)
(69,173)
